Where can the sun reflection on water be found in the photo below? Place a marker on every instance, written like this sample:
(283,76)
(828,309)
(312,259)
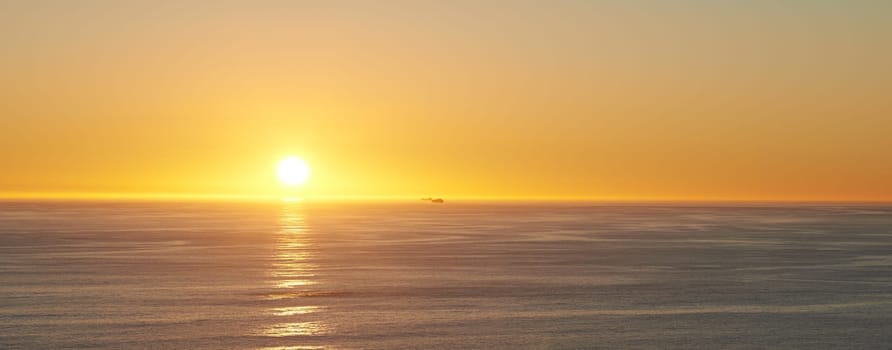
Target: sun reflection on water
(296,328)
(290,267)
(295,310)
(291,272)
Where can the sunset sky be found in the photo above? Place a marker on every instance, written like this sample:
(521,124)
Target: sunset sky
(685,99)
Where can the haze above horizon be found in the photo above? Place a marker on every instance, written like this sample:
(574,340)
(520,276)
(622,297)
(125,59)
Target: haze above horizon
(611,100)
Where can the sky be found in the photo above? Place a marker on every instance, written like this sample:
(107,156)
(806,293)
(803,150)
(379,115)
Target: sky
(615,100)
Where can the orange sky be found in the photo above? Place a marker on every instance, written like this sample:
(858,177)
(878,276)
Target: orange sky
(683,99)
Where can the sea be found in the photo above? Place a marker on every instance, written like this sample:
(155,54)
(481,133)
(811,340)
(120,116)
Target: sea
(286,275)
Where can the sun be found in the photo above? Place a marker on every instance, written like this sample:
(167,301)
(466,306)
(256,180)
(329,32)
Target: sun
(293,171)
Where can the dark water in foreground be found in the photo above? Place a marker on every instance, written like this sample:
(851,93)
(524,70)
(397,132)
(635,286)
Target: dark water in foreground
(454,276)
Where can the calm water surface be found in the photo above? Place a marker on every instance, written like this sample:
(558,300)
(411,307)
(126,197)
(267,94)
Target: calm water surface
(455,276)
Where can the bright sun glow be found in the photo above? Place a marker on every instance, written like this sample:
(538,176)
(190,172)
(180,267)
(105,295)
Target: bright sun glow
(293,171)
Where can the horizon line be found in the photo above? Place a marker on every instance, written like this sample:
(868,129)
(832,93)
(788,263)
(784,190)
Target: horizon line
(161,196)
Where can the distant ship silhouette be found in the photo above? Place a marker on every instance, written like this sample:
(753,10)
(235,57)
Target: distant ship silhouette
(434,200)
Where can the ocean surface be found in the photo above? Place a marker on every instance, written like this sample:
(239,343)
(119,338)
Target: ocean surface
(299,275)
